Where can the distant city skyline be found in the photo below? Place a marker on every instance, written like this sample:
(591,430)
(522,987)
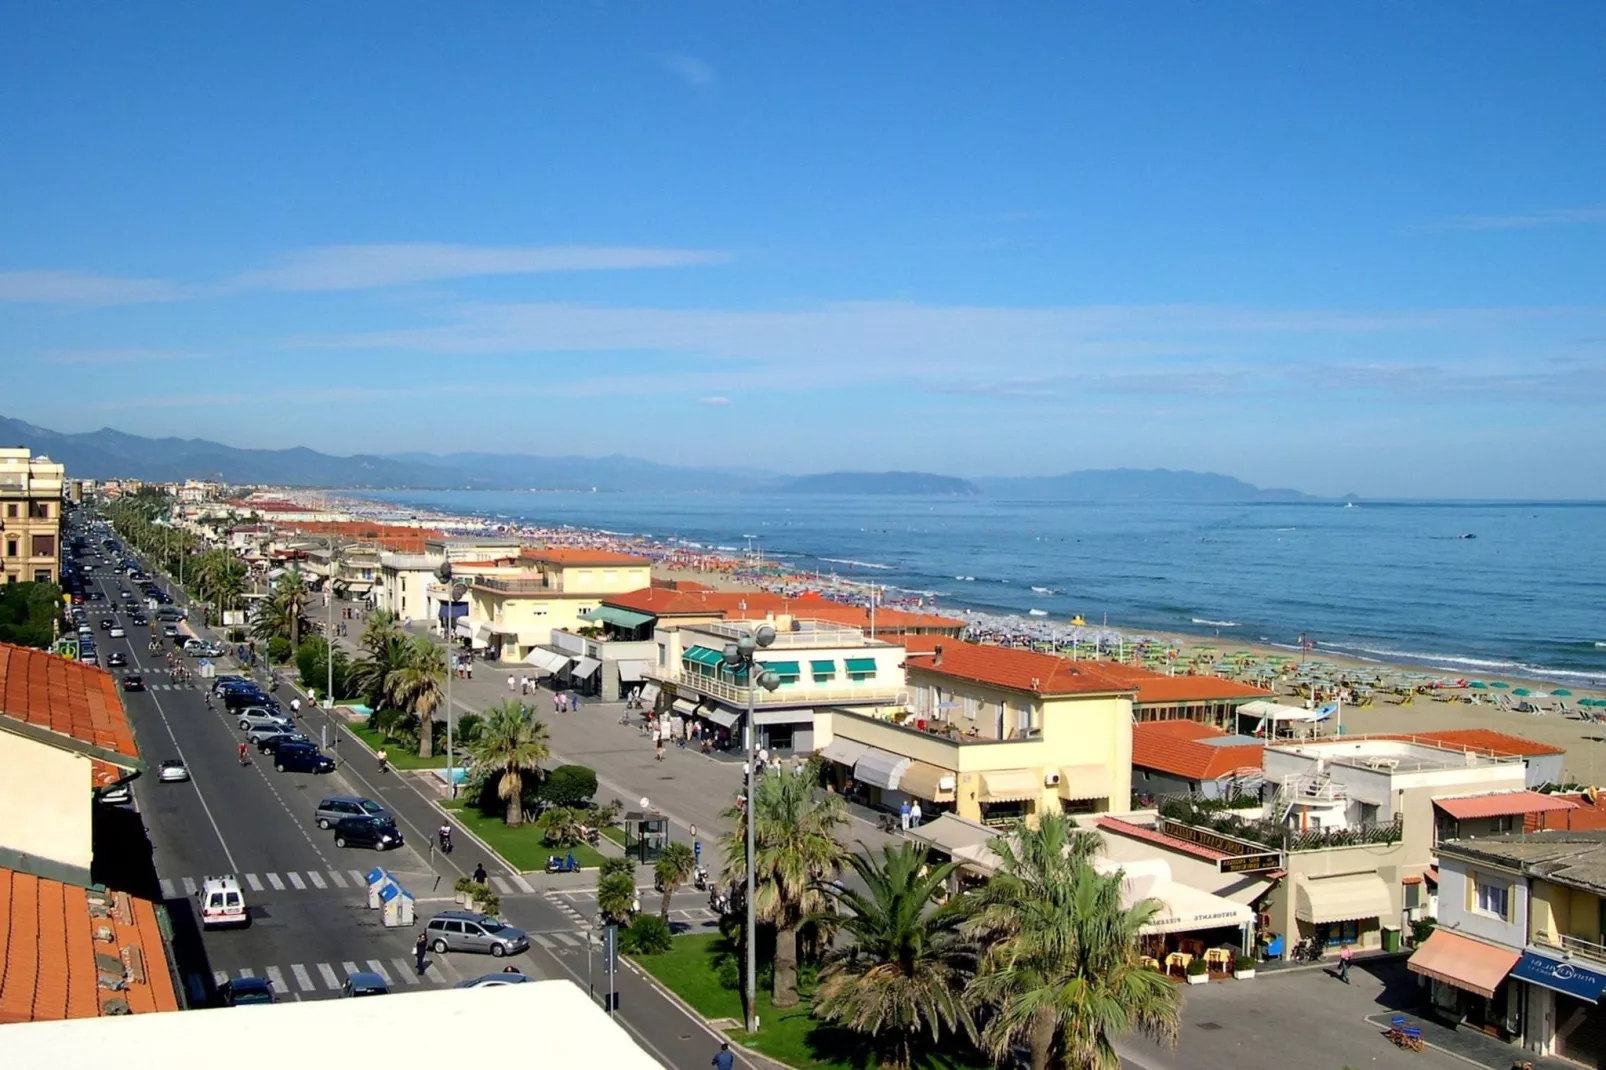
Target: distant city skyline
(1342,250)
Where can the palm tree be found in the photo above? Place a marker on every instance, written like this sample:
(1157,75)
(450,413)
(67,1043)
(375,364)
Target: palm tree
(291,593)
(901,976)
(675,864)
(418,685)
(796,849)
(1061,969)
(513,741)
(616,889)
(385,649)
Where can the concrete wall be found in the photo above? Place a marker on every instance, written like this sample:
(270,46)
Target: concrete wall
(1562,911)
(607,579)
(1456,903)
(46,801)
(1383,859)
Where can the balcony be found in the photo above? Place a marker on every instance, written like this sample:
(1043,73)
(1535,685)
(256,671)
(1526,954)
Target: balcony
(811,634)
(867,693)
(523,585)
(1572,946)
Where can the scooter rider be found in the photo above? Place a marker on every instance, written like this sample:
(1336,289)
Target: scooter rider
(445,835)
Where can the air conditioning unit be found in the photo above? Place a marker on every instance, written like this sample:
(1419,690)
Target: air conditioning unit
(1051,780)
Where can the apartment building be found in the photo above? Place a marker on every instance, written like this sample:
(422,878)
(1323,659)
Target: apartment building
(547,589)
(30,516)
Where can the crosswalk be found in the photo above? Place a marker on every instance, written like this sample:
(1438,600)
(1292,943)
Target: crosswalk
(314,880)
(320,979)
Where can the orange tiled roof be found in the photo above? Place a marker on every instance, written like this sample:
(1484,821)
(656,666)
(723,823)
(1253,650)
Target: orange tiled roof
(1017,669)
(581,555)
(752,605)
(52,944)
(1498,744)
(76,700)
(1501,804)
(1158,689)
(1174,747)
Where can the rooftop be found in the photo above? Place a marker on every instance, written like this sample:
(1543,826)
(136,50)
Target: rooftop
(1017,670)
(1568,857)
(61,942)
(1193,751)
(1392,754)
(1483,740)
(69,698)
(664,602)
(1148,835)
(1158,689)
(1501,804)
(578,556)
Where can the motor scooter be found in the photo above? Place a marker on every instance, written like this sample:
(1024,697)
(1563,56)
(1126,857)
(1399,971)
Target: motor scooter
(718,901)
(699,879)
(562,863)
(445,837)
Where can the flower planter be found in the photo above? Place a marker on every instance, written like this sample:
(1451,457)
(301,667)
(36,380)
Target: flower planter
(462,898)
(1243,975)
(1198,978)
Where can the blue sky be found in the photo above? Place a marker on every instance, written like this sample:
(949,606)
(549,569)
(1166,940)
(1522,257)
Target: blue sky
(1350,247)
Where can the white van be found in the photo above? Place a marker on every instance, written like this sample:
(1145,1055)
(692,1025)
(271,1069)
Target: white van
(222,903)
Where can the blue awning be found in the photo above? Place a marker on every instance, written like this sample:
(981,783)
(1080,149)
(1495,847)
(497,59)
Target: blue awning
(457,609)
(1560,975)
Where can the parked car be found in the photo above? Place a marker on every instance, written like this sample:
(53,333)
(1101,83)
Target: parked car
(268,737)
(336,807)
(494,980)
(172,771)
(302,758)
(364,983)
(245,991)
(133,682)
(259,717)
(381,835)
(464,930)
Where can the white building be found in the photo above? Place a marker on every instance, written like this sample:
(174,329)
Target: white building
(403,585)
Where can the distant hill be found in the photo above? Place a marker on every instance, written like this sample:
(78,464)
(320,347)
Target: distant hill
(524,471)
(923,483)
(1117,484)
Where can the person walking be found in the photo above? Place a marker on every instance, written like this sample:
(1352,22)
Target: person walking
(723,1059)
(420,946)
(479,873)
(914,814)
(511,683)
(524,685)
(1344,955)
(903,815)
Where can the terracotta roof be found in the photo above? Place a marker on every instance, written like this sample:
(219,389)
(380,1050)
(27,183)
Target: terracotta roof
(1501,804)
(1163,746)
(68,697)
(1587,813)
(57,939)
(1158,689)
(751,605)
(1016,669)
(581,555)
(1148,835)
(1498,744)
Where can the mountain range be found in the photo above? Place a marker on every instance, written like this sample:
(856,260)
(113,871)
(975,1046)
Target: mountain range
(111,454)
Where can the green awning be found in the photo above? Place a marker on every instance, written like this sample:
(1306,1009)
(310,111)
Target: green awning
(703,655)
(622,618)
(824,668)
(782,668)
(860,664)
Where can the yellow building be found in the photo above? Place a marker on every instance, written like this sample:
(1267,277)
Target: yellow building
(30,517)
(992,734)
(554,588)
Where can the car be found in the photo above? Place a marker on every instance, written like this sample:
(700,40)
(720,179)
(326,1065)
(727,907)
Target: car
(364,983)
(245,991)
(85,631)
(107,623)
(381,835)
(249,717)
(337,807)
(302,758)
(116,659)
(117,632)
(239,698)
(168,613)
(464,930)
(171,631)
(222,902)
(133,682)
(172,771)
(139,620)
(495,980)
(116,794)
(268,740)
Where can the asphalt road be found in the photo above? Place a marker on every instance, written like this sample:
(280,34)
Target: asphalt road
(310,926)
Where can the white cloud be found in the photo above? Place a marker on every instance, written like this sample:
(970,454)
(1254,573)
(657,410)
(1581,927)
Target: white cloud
(82,288)
(715,402)
(362,267)
(1549,217)
(695,72)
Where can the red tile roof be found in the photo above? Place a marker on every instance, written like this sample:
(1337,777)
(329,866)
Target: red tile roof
(1167,747)
(569,556)
(1498,744)
(1016,669)
(54,945)
(1501,804)
(664,602)
(68,697)
(1148,835)
(1158,689)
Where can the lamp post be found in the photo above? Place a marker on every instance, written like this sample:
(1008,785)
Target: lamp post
(329,632)
(739,657)
(454,591)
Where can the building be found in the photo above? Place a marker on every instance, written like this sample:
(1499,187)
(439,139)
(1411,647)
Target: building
(992,734)
(31,491)
(551,588)
(1211,700)
(636,613)
(1188,757)
(404,581)
(1542,761)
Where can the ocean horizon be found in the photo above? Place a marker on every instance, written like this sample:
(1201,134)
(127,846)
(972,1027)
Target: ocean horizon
(1389,581)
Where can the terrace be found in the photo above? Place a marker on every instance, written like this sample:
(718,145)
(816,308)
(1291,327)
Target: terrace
(521,585)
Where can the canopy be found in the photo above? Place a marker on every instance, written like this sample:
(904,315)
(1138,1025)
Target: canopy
(860,664)
(1567,976)
(546,660)
(649,692)
(721,716)
(930,782)
(844,751)
(1273,711)
(620,618)
(950,833)
(584,667)
(632,670)
(684,706)
(703,655)
(1463,962)
(781,668)
(463,627)
(1183,908)
(1011,785)
(1324,900)
(822,668)
(880,769)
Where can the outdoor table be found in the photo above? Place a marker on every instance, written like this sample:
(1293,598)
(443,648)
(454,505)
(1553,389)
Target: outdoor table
(1218,956)
(1150,962)
(1180,959)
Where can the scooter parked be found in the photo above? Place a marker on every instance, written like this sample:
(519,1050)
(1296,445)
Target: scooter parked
(562,863)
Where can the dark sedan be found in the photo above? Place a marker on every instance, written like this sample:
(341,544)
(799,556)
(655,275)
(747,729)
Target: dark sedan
(133,683)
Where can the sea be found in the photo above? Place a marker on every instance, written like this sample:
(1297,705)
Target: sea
(1490,588)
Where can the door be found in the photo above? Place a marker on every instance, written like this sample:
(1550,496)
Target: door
(474,937)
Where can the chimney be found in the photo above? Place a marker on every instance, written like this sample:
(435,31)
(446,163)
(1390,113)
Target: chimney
(937,660)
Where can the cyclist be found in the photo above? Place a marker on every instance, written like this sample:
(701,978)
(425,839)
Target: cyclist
(295,707)
(384,760)
(242,754)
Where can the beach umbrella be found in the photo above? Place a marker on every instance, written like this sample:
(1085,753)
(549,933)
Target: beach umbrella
(1499,683)
(1562,692)
(1479,684)
(1523,691)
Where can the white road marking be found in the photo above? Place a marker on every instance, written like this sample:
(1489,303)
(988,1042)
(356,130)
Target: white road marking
(566,940)
(359,877)
(349,967)
(276,979)
(168,891)
(303,978)
(317,881)
(524,885)
(379,968)
(405,968)
(251,879)
(543,941)
(220,978)
(295,879)
(190,886)
(328,974)
(273,879)
(502,886)
(247,973)
(334,875)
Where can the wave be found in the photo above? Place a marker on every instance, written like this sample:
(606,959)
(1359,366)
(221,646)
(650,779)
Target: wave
(1038,612)
(622,534)
(856,564)
(1215,623)
(1045,590)
(1484,666)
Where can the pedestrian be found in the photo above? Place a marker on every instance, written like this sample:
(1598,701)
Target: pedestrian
(511,683)
(420,946)
(524,685)
(557,703)
(479,873)
(903,815)
(468,668)
(658,750)
(1344,955)
(914,814)
(723,1059)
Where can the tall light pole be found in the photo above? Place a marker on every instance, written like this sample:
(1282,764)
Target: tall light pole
(454,591)
(329,635)
(739,657)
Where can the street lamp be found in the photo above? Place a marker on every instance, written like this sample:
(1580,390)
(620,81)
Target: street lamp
(454,592)
(738,658)
(329,632)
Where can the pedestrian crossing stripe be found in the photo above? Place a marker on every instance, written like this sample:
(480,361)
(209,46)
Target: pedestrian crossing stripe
(254,882)
(273,879)
(328,975)
(295,879)
(190,887)
(309,880)
(303,978)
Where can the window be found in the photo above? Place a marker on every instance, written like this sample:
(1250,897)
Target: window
(39,510)
(42,575)
(1491,898)
(11,509)
(44,546)
(1368,813)
(11,547)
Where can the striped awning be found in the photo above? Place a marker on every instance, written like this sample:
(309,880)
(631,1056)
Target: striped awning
(546,660)
(926,781)
(1011,785)
(1463,962)
(703,655)
(843,751)
(584,667)
(1352,897)
(860,664)
(880,769)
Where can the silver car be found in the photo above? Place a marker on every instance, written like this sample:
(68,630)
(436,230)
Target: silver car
(464,930)
(250,717)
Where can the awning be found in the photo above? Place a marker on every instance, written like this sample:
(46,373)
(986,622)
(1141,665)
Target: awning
(1183,908)
(1247,890)
(1560,975)
(721,716)
(500,629)
(620,618)
(926,781)
(1501,804)
(950,833)
(781,668)
(684,706)
(860,664)
(1011,785)
(631,670)
(1085,782)
(584,667)
(703,655)
(880,769)
(546,660)
(1276,711)
(649,692)
(1463,962)
(1324,900)
(844,751)
(457,609)
(823,668)
(463,627)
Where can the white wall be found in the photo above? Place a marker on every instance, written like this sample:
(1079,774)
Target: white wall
(46,801)
(1453,897)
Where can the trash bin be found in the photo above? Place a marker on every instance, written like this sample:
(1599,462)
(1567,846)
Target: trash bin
(397,906)
(1391,939)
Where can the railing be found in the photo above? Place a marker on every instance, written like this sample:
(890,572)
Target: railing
(813,634)
(1572,946)
(881,694)
(1274,836)
(958,738)
(519,586)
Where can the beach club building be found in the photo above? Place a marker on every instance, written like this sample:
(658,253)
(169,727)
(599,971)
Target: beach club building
(1187,757)
(636,614)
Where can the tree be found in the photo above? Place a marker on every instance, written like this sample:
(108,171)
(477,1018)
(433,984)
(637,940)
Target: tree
(291,593)
(26,613)
(418,685)
(385,649)
(1061,970)
(569,785)
(513,742)
(674,867)
(796,850)
(616,889)
(900,978)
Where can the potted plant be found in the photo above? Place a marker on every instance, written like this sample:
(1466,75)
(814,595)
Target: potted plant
(487,901)
(1243,968)
(464,889)
(1198,972)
